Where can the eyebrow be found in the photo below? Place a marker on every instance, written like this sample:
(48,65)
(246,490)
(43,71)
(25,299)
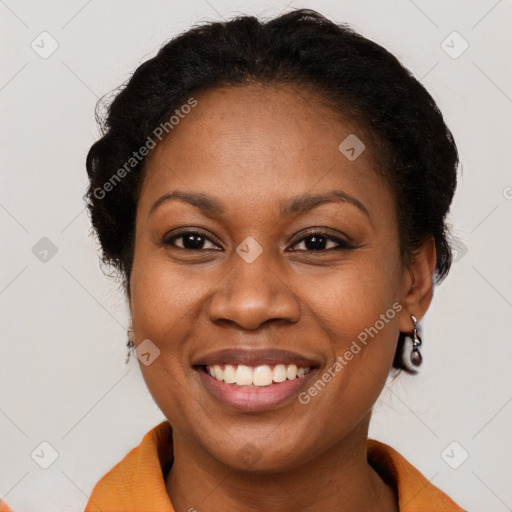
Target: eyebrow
(292,206)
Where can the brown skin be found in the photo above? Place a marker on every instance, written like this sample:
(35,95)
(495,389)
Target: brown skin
(252,147)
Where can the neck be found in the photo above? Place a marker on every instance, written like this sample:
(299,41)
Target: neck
(340,479)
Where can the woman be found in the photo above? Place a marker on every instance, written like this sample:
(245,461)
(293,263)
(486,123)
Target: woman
(274,196)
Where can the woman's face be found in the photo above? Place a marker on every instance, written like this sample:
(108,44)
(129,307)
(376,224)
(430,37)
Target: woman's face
(248,163)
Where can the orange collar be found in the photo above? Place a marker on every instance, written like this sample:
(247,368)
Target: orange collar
(137,483)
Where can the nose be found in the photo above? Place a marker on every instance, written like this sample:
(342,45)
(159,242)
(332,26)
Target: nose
(252,294)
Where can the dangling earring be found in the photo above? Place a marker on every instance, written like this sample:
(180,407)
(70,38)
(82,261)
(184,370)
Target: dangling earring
(415,356)
(130,344)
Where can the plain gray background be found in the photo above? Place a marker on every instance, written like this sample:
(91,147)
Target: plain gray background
(63,323)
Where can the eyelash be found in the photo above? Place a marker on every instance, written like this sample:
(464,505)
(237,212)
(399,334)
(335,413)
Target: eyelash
(342,244)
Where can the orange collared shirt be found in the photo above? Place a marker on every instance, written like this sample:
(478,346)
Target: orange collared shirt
(137,484)
(4,507)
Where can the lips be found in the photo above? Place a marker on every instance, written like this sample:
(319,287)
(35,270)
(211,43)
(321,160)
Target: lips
(270,393)
(255,357)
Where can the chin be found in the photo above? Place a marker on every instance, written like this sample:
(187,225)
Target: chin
(251,459)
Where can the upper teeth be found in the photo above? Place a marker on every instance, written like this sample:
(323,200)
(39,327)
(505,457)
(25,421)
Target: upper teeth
(259,376)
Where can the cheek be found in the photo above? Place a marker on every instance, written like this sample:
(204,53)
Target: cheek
(361,356)
(159,307)
(360,311)
(166,307)
(354,297)
(163,298)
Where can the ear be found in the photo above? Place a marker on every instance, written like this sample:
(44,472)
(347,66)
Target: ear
(418,285)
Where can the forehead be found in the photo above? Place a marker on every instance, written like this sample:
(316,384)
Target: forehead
(281,119)
(261,141)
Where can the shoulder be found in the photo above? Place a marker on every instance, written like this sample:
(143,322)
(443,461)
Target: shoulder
(415,492)
(138,477)
(4,507)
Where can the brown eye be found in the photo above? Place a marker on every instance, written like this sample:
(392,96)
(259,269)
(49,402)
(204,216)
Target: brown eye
(319,241)
(190,240)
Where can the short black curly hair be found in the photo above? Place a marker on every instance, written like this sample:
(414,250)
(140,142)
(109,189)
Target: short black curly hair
(354,75)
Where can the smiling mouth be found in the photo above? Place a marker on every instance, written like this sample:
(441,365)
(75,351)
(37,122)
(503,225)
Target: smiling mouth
(240,375)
